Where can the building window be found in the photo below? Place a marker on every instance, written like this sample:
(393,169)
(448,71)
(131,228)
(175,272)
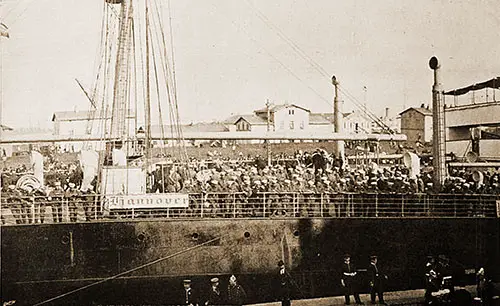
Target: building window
(282,125)
(291,112)
(292,125)
(242,126)
(302,125)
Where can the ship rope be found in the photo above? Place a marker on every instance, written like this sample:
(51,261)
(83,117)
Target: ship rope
(108,51)
(130,271)
(168,70)
(158,97)
(295,47)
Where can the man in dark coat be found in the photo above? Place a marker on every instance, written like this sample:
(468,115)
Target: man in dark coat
(236,295)
(189,298)
(284,285)
(376,281)
(215,295)
(348,280)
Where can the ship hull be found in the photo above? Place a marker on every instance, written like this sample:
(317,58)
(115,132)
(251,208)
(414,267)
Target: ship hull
(42,261)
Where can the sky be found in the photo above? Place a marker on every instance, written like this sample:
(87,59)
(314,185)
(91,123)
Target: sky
(231,56)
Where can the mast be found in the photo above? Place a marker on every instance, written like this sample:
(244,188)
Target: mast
(147,110)
(268,145)
(438,128)
(119,109)
(337,117)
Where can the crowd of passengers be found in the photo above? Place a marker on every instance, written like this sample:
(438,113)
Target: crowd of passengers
(315,172)
(310,174)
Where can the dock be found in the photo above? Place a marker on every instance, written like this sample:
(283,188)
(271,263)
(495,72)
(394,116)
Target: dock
(407,297)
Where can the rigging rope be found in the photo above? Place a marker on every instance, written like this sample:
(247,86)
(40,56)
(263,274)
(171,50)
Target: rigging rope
(158,96)
(130,271)
(282,64)
(169,75)
(315,65)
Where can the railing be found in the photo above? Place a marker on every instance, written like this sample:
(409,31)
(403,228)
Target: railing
(85,208)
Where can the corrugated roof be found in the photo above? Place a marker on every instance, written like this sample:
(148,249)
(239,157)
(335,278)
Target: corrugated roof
(424,111)
(84,115)
(232,119)
(252,119)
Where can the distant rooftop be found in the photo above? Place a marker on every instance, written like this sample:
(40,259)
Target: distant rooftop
(6,128)
(423,110)
(321,118)
(190,128)
(85,115)
(274,108)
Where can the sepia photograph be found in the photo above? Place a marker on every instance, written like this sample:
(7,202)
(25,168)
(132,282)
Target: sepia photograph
(251,152)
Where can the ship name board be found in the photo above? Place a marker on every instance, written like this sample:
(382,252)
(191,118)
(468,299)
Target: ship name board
(154,200)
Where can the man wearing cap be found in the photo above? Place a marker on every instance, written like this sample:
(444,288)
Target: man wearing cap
(14,201)
(236,295)
(189,297)
(73,197)
(57,196)
(376,281)
(215,296)
(348,280)
(284,285)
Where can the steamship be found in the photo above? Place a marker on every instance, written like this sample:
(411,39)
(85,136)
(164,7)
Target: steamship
(134,247)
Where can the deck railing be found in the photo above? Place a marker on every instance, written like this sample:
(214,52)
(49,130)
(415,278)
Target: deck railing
(86,208)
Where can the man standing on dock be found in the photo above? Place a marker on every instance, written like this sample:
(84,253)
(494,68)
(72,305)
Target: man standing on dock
(376,281)
(348,280)
(284,283)
(215,296)
(189,296)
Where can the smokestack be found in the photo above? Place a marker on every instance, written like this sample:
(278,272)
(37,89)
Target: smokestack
(338,118)
(386,113)
(438,128)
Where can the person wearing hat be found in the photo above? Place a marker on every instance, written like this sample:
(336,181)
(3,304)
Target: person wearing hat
(284,285)
(483,287)
(376,281)
(189,298)
(215,295)
(13,197)
(348,280)
(236,295)
(57,196)
(73,197)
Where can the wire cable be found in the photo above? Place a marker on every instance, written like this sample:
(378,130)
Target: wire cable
(129,271)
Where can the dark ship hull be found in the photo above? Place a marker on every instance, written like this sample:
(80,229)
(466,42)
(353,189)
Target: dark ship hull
(43,261)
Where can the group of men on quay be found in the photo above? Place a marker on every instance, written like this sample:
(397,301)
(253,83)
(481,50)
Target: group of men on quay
(234,293)
(439,290)
(285,288)
(223,182)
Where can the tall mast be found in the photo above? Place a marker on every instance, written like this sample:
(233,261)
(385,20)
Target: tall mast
(147,110)
(268,145)
(120,90)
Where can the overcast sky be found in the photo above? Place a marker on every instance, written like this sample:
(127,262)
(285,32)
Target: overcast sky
(229,61)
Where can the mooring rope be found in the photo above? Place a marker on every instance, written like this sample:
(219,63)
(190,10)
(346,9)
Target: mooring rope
(128,271)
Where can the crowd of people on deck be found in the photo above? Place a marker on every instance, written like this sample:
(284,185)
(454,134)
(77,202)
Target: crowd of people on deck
(317,172)
(306,173)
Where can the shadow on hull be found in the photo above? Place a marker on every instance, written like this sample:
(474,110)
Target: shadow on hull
(43,261)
